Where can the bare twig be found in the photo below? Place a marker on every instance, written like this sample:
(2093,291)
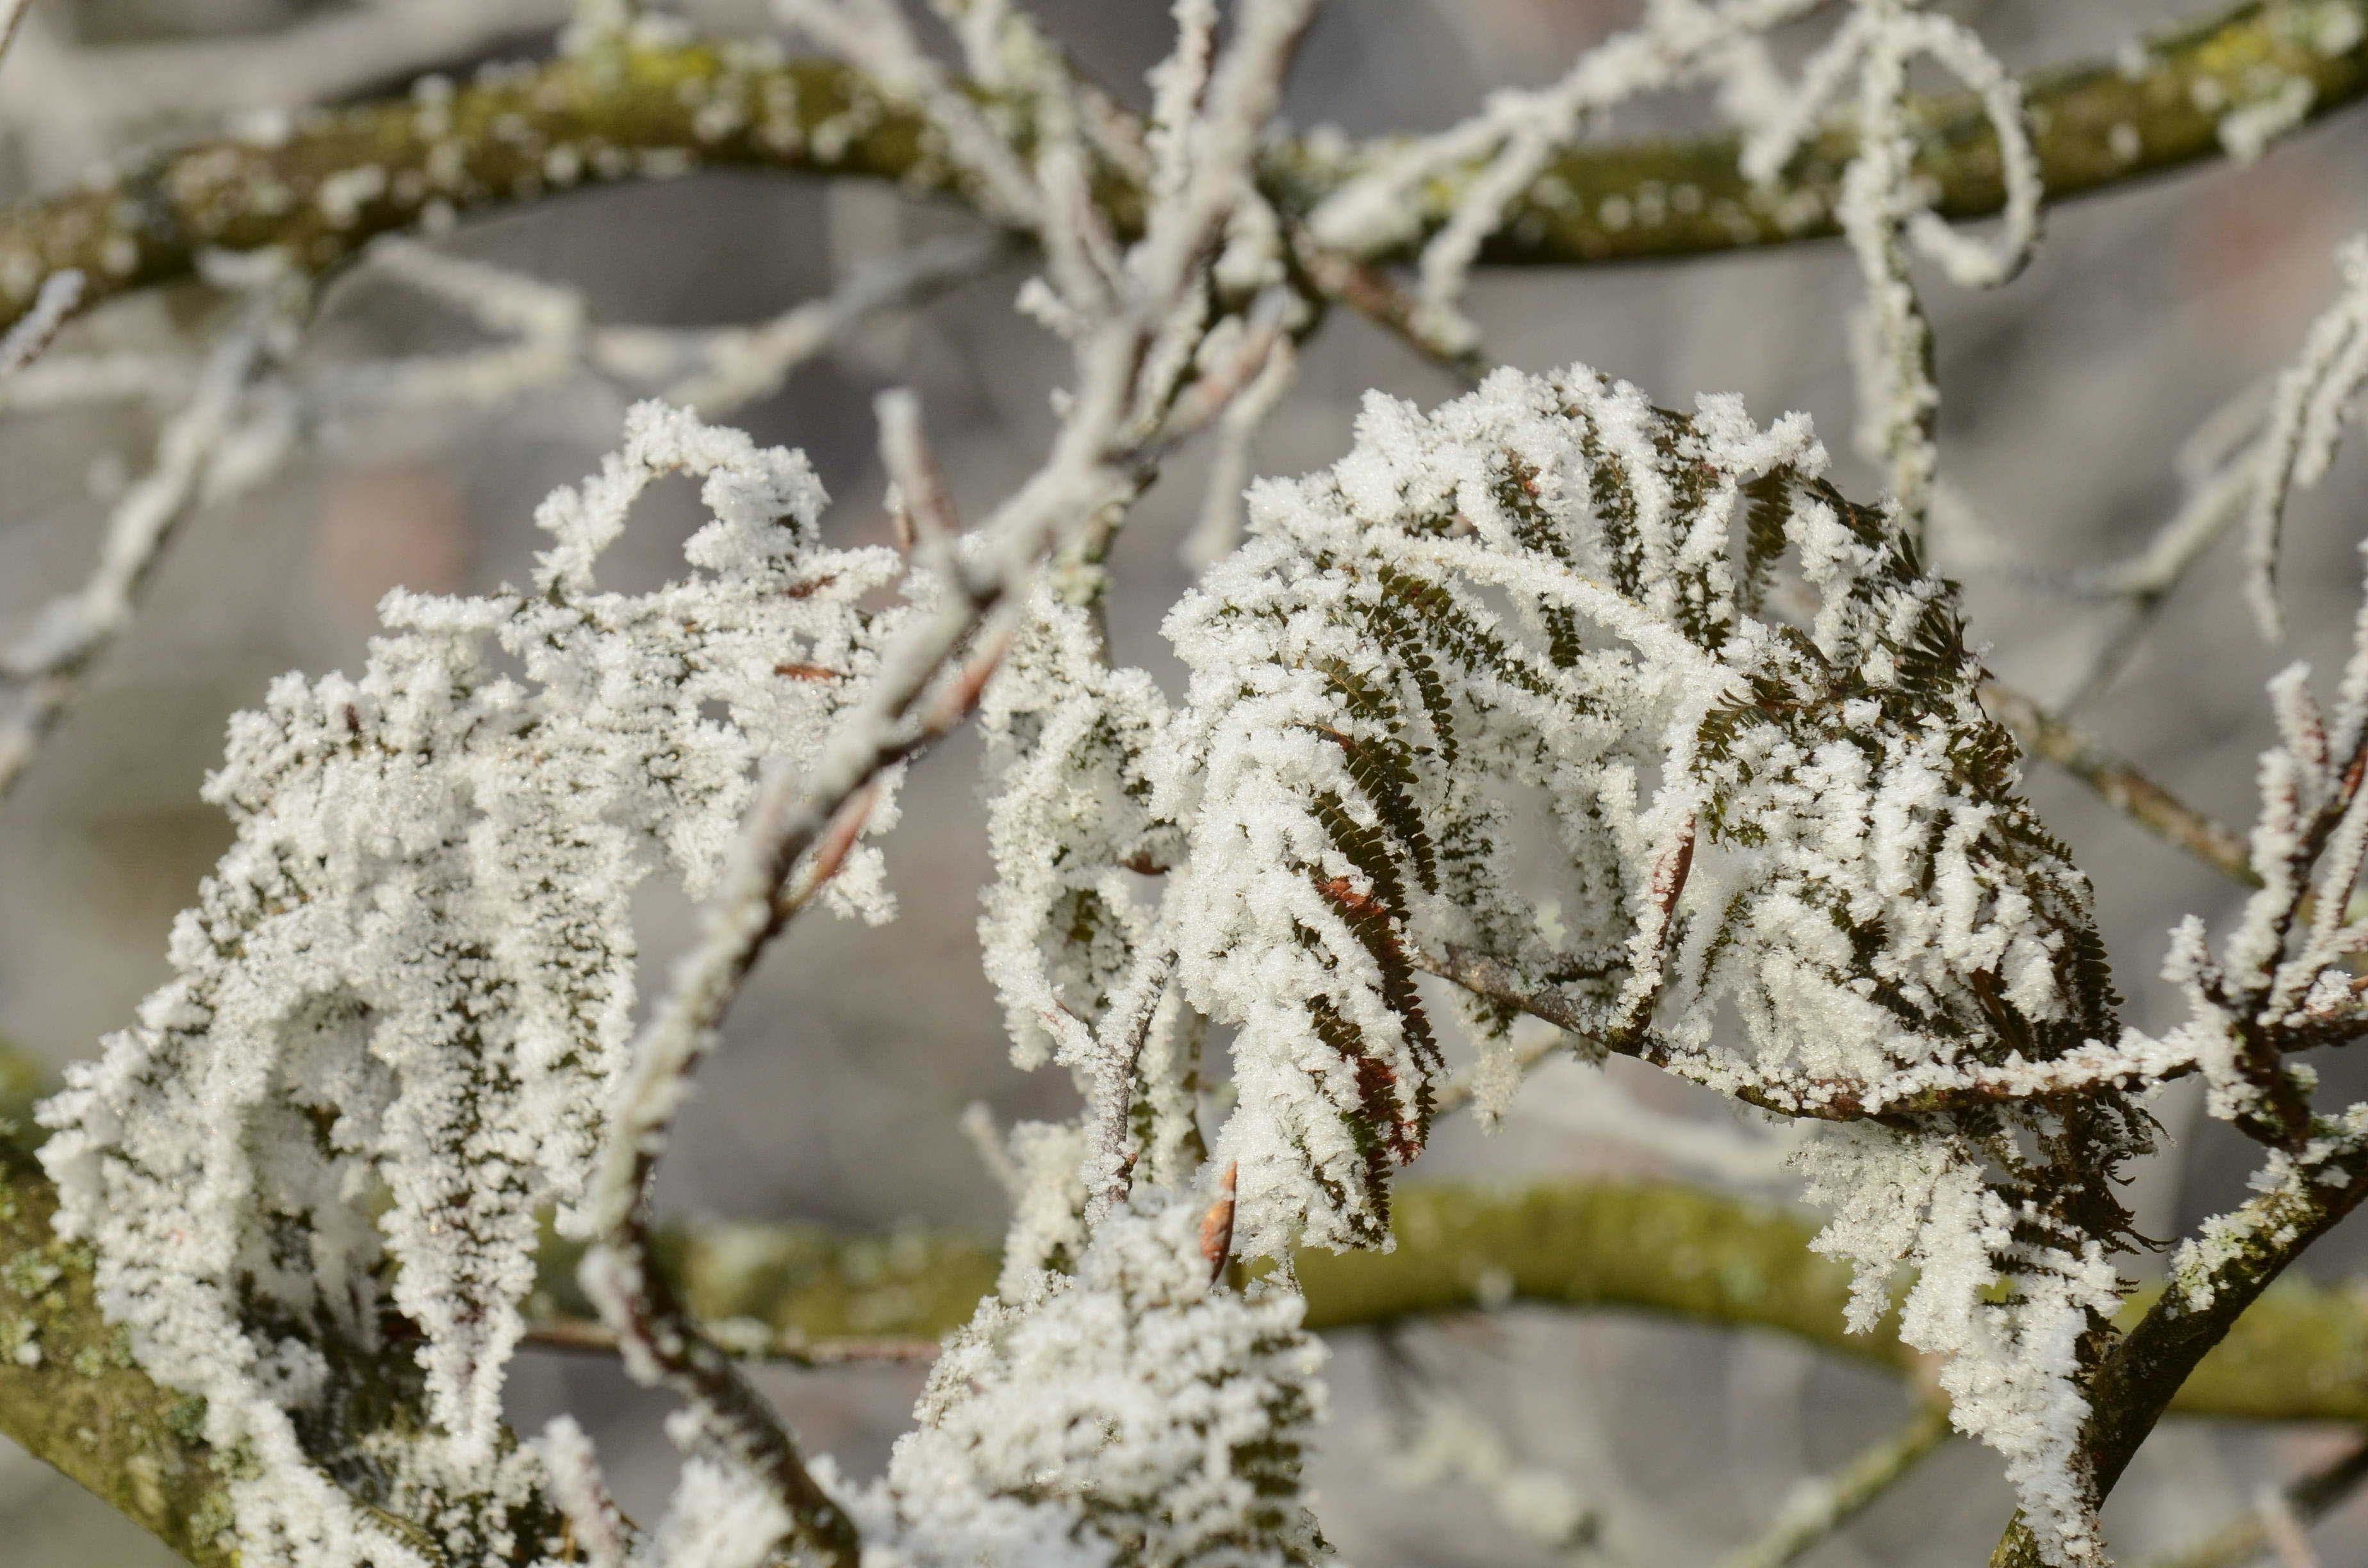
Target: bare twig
(753,1342)
(2214,503)
(1523,1055)
(551,337)
(1375,294)
(196,455)
(922,507)
(2120,784)
(2290,1541)
(2306,1498)
(1818,1508)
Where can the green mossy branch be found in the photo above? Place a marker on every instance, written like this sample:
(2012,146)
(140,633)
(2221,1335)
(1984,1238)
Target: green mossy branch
(2300,1354)
(333,179)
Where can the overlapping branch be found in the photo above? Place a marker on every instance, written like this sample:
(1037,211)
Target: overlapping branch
(330,180)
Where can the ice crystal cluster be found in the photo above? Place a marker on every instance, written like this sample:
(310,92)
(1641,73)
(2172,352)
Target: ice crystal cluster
(1131,1410)
(399,1005)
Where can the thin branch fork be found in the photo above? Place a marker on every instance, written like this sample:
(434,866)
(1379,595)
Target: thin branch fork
(43,672)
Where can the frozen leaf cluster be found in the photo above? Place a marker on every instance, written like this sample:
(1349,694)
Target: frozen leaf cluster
(1070,823)
(401,1001)
(2002,1290)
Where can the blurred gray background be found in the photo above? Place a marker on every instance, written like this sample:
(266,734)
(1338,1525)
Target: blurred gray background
(2065,395)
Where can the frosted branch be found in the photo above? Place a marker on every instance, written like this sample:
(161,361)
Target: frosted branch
(24,341)
(221,441)
(2308,407)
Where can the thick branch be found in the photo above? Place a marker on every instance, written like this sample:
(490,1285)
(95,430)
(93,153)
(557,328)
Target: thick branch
(2094,127)
(337,179)
(2300,1353)
(70,1391)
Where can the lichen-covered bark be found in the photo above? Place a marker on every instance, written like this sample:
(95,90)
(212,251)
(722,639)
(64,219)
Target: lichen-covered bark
(332,179)
(806,1283)
(69,1393)
(1645,1246)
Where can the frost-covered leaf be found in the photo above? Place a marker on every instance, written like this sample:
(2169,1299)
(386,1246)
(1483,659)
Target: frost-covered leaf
(1795,868)
(401,1002)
